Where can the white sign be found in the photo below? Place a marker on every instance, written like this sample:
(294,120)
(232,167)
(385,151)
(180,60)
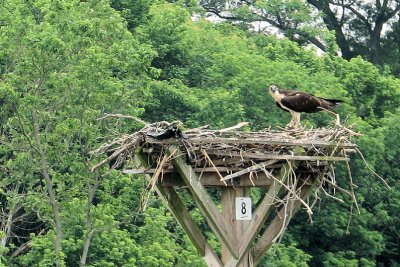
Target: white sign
(243,208)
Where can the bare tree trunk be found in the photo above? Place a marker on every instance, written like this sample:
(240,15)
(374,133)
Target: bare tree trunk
(8,218)
(50,189)
(6,229)
(375,41)
(89,221)
(86,245)
(91,189)
(7,226)
(332,24)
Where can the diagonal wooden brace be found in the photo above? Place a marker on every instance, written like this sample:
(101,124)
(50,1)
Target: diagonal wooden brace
(182,215)
(203,201)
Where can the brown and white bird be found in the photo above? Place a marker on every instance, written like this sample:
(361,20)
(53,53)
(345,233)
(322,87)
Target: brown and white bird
(296,102)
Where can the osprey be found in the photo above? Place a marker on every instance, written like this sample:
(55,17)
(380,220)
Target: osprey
(297,101)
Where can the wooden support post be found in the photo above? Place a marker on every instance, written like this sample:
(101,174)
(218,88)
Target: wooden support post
(241,226)
(179,211)
(228,211)
(228,197)
(237,237)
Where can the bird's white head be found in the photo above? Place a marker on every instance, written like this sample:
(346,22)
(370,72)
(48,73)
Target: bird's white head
(273,89)
(275,93)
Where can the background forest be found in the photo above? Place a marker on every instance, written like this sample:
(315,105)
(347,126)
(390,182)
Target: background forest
(64,64)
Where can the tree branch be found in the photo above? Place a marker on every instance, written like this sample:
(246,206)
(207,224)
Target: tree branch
(378,4)
(332,24)
(355,12)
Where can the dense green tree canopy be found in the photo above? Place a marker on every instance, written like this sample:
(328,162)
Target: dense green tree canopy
(65,64)
(361,28)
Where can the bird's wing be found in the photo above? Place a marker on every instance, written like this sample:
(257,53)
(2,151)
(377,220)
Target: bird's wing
(329,103)
(301,102)
(167,133)
(288,93)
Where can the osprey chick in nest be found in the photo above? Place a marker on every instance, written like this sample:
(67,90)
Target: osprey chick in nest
(296,102)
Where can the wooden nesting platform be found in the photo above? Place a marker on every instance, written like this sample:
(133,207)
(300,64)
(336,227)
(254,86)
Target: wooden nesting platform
(236,158)
(288,165)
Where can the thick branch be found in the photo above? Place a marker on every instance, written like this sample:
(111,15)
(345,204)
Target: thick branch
(86,245)
(277,23)
(91,191)
(355,12)
(6,229)
(333,24)
(306,37)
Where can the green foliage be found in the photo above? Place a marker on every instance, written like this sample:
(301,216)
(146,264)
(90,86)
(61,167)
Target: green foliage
(340,259)
(72,62)
(41,253)
(161,250)
(134,12)
(285,256)
(167,30)
(372,93)
(171,101)
(358,28)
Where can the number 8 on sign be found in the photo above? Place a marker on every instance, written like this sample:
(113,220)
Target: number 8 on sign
(243,208)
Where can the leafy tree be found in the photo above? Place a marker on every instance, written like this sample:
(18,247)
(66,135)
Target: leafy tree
(167,31)
(66,63)
(361,28)
(134,12)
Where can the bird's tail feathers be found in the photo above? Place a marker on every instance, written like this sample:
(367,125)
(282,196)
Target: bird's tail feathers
(334,102)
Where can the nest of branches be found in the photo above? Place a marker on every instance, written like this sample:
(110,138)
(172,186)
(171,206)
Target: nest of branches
(231,153)
(231,148)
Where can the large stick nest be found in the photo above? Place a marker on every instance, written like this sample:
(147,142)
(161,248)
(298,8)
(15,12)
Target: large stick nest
(231,153)
(231,148)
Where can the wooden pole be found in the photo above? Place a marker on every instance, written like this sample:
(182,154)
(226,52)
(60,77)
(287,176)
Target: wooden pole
(241,226)
(237,227)
(228,211)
